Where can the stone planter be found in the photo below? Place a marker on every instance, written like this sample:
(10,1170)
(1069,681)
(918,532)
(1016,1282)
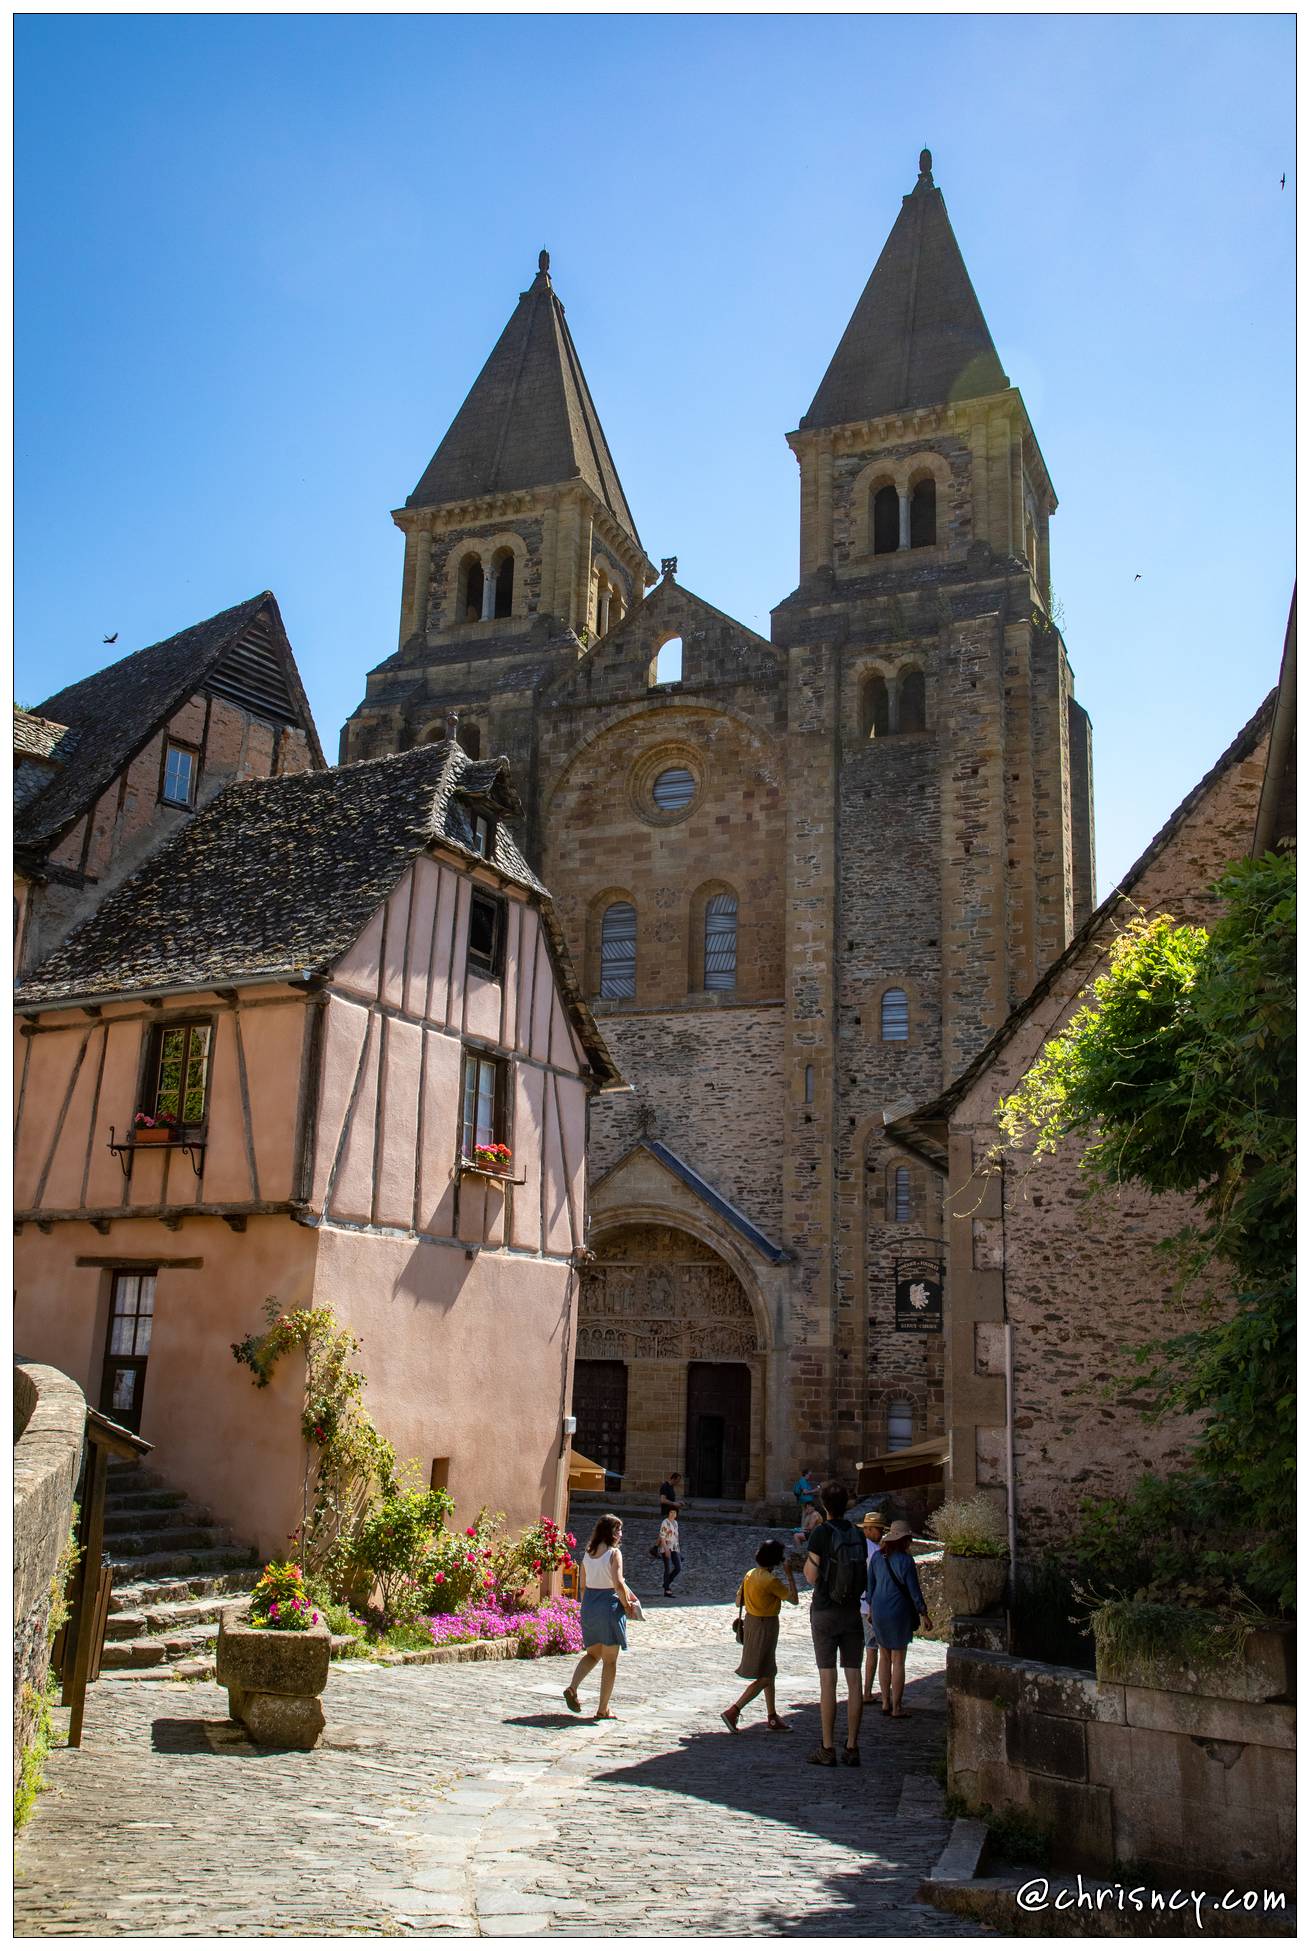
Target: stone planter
(273,1680)
(973,1585)
(1266,1670)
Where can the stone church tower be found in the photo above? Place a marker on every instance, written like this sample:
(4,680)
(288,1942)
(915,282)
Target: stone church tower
(803,879)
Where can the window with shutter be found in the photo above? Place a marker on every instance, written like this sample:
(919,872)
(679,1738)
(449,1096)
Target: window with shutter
(674,789)
(895,1016)
(721,942)
(901,1192)
(618,951)
(900,1425)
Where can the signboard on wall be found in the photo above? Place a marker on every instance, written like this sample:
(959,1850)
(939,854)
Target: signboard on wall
(920,1284)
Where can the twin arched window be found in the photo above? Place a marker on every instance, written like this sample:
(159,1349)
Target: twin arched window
(483,593)
(903,519)
(618,947)
(896,706)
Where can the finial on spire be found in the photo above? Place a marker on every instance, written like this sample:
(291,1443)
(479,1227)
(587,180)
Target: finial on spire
(925,164)
(543,261)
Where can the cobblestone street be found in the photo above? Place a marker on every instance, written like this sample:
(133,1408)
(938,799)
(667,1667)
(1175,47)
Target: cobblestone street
(466,1800)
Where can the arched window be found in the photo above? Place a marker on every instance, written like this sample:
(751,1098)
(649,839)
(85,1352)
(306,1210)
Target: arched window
(900,1425)
(923,514)
(503,570)
(901,1192)
(721,942)
(910,713)
(886,521)
(875,710)
(468,608)
(470,737)
(667,668)
(895,1016)
(616,609)
(618,950)
(809,1083)
(602,606)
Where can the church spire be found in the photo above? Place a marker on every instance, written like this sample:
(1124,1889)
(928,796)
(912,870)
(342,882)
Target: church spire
(918,337)
(529,420)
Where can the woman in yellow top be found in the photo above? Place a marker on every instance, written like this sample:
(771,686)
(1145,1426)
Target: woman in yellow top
(760,1595)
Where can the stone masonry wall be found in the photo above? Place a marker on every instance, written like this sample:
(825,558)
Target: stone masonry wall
(49,1421)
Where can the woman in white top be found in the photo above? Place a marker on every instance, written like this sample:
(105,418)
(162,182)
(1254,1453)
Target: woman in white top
(607,1604)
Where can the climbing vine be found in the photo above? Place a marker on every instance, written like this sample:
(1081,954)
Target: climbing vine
(347,1462)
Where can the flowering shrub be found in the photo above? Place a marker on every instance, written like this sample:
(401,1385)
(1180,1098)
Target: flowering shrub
(280,1602)
(522,1563)
(552,1628)
(458,1567)
(395,1543)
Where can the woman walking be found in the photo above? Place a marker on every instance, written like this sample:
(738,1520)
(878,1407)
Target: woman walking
(895,1606)
(761,1594)
(873,1524)
(607,1605)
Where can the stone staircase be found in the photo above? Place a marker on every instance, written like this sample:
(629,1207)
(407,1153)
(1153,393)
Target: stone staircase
(174,1571)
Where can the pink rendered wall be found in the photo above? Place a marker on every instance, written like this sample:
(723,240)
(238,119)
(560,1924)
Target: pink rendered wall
(465,1359)
(78,1076)
(234,1448)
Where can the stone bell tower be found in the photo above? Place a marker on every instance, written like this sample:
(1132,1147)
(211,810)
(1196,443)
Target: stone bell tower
(520,548)
(945,765)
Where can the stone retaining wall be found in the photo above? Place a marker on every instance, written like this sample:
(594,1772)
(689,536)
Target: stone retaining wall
(49,1421)
(1202,1786)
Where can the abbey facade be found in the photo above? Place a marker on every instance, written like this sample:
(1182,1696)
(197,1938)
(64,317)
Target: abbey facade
(804,878)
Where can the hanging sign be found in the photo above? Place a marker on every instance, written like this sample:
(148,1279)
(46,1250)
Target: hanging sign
(920,1283)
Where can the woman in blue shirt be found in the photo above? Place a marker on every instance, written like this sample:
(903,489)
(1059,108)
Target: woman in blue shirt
(895,1607)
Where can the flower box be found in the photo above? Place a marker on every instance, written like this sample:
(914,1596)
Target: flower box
(156,1135)
(273,1679)
(973,1584)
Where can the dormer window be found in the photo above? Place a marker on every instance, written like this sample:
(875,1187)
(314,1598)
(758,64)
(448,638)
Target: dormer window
(484,835)
(486,932)
(181,766)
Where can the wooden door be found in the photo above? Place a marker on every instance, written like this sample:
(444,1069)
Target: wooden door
(718,1428)
(600,1404)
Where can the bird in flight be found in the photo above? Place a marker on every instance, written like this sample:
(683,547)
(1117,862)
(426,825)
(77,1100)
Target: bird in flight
(1282,181)
(110,640)
(1138,577)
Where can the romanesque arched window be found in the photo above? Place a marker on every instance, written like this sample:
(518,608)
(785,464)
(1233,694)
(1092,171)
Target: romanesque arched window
(885,520)
(667,667)
(470,737)
(721,941)
(911,714)
(468,605)
(502,569)
(923,514)
(901,1190)
(618,950)
(875,707)
(895,1016)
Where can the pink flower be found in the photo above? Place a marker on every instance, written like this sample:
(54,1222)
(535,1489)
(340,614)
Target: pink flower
(439,1578)
(472,1531)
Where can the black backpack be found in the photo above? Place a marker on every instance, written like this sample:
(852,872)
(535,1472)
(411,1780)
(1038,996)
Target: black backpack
(847,1570)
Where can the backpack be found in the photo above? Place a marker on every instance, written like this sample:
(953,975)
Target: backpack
(847,1569)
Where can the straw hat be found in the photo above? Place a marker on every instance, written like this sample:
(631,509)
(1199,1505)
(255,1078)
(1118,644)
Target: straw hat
(899,1530)
(874,1517)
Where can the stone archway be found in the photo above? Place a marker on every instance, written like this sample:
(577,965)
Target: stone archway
(658,1311)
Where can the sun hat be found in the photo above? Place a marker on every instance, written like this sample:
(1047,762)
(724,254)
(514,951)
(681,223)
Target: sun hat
(899,1530)
(874,1517)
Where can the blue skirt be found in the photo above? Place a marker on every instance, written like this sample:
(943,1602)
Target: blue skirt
(603,1620)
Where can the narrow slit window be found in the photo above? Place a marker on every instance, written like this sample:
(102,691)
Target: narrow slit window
(809,1083)
(618,951)
(895,1016)
(901,1193)
(721,942)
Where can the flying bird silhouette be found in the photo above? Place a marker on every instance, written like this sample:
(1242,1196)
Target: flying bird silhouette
(110,640)
(1138,577)
(1282,181)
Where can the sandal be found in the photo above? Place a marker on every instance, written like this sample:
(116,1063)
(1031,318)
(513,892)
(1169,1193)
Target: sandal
(823,1757)
(571,1701)
(730,1720)
(776,1722)
(605,1717)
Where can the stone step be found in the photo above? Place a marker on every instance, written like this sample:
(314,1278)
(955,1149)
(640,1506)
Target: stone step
(169,1537)
(145,1595)
(133,1567)
(135,1521)
(127,1477)
(143,1500)
(141,1622)
(158,1649)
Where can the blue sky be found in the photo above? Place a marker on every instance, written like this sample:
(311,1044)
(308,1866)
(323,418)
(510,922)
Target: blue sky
(260,261)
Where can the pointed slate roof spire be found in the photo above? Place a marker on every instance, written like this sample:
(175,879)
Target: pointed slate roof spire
(918,336)
(529,420)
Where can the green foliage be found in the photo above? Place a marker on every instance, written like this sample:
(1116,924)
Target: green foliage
(280,1603)
(394,1543)
(970,1527)
(459,1566)
(31,1769)
(1178,1074)
(522,1565)
(405,1636)
(1137,1636)
(347,1462)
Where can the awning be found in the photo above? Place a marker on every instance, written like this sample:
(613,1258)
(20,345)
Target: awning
(920,1463)
(584,1474)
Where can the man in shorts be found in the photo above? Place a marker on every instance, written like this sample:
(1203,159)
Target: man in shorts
(834,1566)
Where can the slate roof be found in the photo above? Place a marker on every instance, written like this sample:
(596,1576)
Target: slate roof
(705,1192)
(922,1129)
(918,336)
(37,737)
(278,877)
(529,420)
(115,711)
